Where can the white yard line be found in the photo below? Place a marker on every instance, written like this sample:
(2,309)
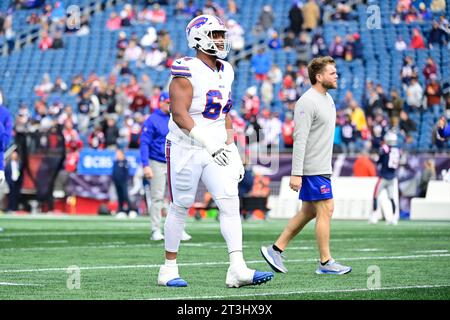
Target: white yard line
(301,292)
(115,245)
(431,251)
(54,241)
(68,233)
(194,264)
(19,284)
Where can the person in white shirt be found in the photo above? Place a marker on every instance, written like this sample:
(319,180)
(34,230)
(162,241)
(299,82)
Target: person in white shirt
(149,38)
(414,94)
(155,57)
(133,52)
(400,44)
(236,35)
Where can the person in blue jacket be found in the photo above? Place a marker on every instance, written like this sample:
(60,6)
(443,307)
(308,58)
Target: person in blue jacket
(153,157)
(6,125)
(443,129)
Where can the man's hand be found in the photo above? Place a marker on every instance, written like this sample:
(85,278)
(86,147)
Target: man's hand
(148,172)
(220,153)
(295,183)
(2,177)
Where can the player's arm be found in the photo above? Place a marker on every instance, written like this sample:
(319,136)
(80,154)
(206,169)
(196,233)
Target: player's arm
(303,117)
(2,150)
(181,93)
(146,138)
(230,131)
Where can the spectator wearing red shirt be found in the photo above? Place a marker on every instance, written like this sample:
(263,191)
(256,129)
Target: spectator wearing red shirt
(238,127)
(140,102)
(158,14)
(132,88)
(114,22)
(417,41)
(287,131)
(46,41)
(154,99)
(96,139)
(250,103)
(363,166)
(433,92)
(429,69)
(71,137)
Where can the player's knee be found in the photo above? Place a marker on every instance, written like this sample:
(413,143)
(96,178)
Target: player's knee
(178,210)
(184,193)
(325,207)
(228,206)
(184,201)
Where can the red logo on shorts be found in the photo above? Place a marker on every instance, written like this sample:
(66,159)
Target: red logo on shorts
(324,189)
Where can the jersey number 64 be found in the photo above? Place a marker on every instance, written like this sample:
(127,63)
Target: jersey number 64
(213,107)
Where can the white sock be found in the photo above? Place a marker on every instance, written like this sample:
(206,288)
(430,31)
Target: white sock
(171,263)
(237,258)
(230,223)
(173,227)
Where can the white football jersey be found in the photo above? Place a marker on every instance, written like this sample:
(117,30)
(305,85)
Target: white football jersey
(211,100)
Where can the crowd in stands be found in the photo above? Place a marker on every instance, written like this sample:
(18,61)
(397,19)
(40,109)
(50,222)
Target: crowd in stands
(108,113)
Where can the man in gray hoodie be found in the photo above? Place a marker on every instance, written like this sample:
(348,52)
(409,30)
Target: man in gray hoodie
(314,118)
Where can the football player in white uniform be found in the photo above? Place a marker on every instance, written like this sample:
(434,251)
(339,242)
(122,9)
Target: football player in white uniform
(200,146)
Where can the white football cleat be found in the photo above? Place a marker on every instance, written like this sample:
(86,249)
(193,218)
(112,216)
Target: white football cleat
(133,214)
(185,236)
(121,215)
(157,235)
(168,276)
(243,276)
(373,220)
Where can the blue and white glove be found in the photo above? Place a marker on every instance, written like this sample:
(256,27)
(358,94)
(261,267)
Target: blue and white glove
(236,160)
(219,152)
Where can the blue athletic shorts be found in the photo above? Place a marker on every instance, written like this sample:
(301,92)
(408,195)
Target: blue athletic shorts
(315,188)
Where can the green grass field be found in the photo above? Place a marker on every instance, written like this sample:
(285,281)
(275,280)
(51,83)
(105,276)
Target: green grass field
(118,261)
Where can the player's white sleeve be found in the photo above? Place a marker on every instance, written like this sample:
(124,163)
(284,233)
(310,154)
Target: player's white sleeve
(181,68)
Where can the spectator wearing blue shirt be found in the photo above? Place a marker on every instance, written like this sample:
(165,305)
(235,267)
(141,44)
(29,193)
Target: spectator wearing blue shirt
(275,42)
(443,129)
(58,12)
(153,157)
(6,125)
(261,64)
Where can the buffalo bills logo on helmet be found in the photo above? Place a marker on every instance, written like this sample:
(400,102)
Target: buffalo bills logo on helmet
(220,21)
(197,23)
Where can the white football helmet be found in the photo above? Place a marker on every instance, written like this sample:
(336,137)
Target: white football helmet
(199,34)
